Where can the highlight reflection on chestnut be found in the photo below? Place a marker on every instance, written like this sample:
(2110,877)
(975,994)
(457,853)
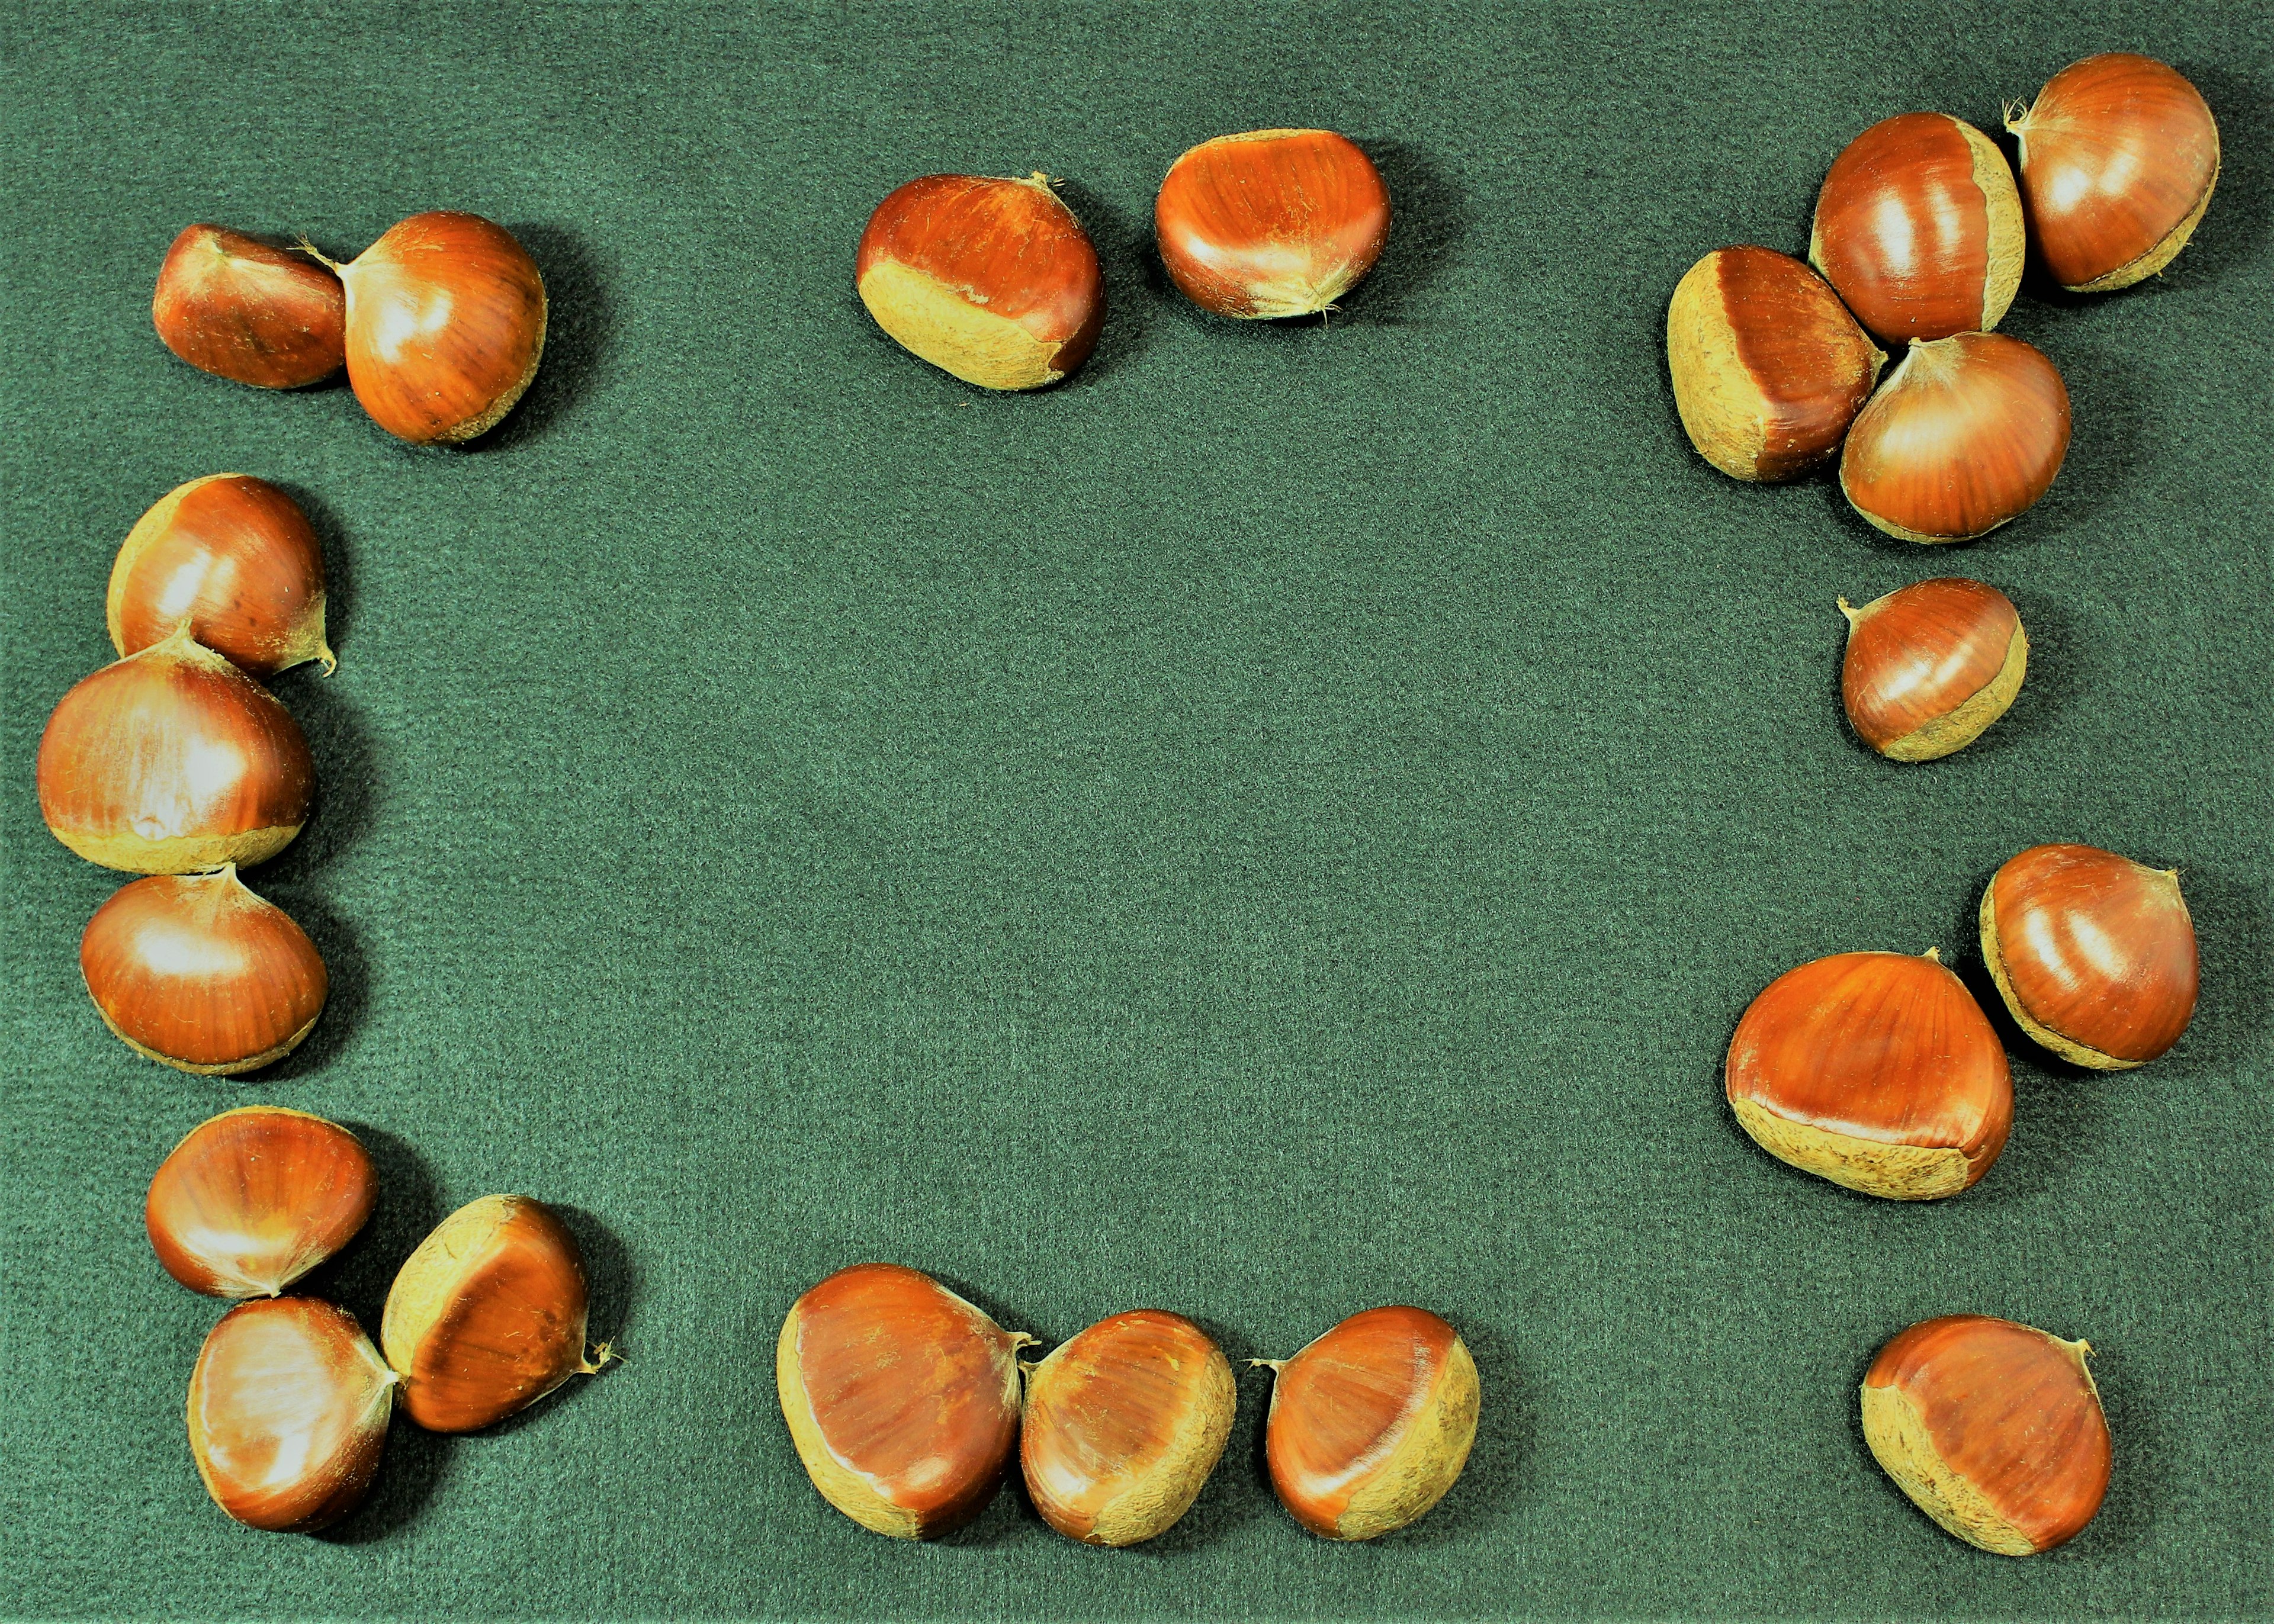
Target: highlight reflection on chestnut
(1930,665)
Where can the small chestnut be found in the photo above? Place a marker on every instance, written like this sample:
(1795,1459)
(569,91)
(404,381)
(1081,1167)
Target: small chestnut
(1994,1429)
(2118,157)
(234,558)
(993,281)
(1876,1070)
(487,1316)
(1965,435)
(1769,369)
(902,1398)
(2094,954)
(253,1199)
(1123,1425)
(1371,1423)
(1919,227)
(287,1413)
(1930,665)
(1271,223)
(231,306)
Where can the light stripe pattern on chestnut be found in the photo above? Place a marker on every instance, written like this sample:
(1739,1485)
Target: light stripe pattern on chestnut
(253,1199)
(1272,224)
(1930,665)
(232,305)
(236,561)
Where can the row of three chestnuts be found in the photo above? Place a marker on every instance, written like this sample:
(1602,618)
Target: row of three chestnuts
(289,1402)
(995,280)
(1880,1071)
(904,1401)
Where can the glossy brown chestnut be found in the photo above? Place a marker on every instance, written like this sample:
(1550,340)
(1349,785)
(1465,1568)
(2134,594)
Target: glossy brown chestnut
(1123,1425)
(1994,1429)
(2118,157)
(1876,1070)
(234,558)
(253,1199)
(1271,223)
(902,1399)
(1769,368)
(287,1413)
(1919,227)
(1965,436)
(445,326)
(1371,1423)
(991,280)
(173,760)
(2094,954)
(196,971)
(1930,665)
(236,307)
(487,1316)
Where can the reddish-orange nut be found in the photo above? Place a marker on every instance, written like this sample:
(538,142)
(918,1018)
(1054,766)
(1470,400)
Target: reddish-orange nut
(1919,227)
(1371,1423)
(233,306)
(236,561)
(2094,954)
(1930,665)
(1271,223)
(253,1199)
(1994,1429)
(902,1399)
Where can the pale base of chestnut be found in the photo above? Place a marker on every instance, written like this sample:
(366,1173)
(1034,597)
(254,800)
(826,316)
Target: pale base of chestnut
(1296,295)
(474,428)
(223,1068)
(2044,1036)
(1898,1172)
(1947,734)
(2008,235)
(1426,1462)
(850,1491)
(1901,1445)
(179,854)
(935,323)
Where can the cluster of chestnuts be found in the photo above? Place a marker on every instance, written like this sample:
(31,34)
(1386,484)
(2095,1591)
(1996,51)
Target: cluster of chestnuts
(905,1403)
(996,282)
(289,1402)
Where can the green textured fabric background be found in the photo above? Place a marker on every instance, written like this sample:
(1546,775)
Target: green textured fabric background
(1285,823)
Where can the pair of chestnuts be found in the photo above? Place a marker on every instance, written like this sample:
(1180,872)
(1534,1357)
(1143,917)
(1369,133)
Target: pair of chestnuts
(1880,1071)
(904,1404)
(439,323)
(1921,233)
(996,282)
(289,1402)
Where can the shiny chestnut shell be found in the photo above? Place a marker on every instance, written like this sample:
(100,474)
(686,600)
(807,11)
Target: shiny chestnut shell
(232,305)
(1930,665)
(1271,223)
(253,1199)
(233,559)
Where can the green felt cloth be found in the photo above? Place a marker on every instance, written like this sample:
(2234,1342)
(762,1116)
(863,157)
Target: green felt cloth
(1285,823)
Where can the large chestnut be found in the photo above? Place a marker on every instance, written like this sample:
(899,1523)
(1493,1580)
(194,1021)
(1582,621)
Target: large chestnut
(991,280)
(1271,223)
(173,760)
(253,1199)
(1994,1429)
(1123,1425)
(2118,157)
(1930,665)
(236,561)
(902,1399)
(2094,954)
(1876,1070)
(1919,227)
(1371,1423)
(287,1413)
(1965,435)
(231,306)
(487,1316)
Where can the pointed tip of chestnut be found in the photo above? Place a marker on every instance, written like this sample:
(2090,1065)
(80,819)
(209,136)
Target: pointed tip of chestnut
(232,305)
(1930,666)
(253,1199)
(233,561)
(1271,223)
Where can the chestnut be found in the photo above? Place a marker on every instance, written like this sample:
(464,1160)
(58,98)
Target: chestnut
(2094,954)
(1994,1429)
(253,1199)
(487,1316)
(1371,1423)
(1876,1070)
(1769,368)
(902,1399)
(233,559)
(1930,665)
(993,281)
(1919,227)
(1123,1424)
(2120,155)
(173,760)
(232,305)
(287,1413)
(1964,436)
(1271,223)
(196,971)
